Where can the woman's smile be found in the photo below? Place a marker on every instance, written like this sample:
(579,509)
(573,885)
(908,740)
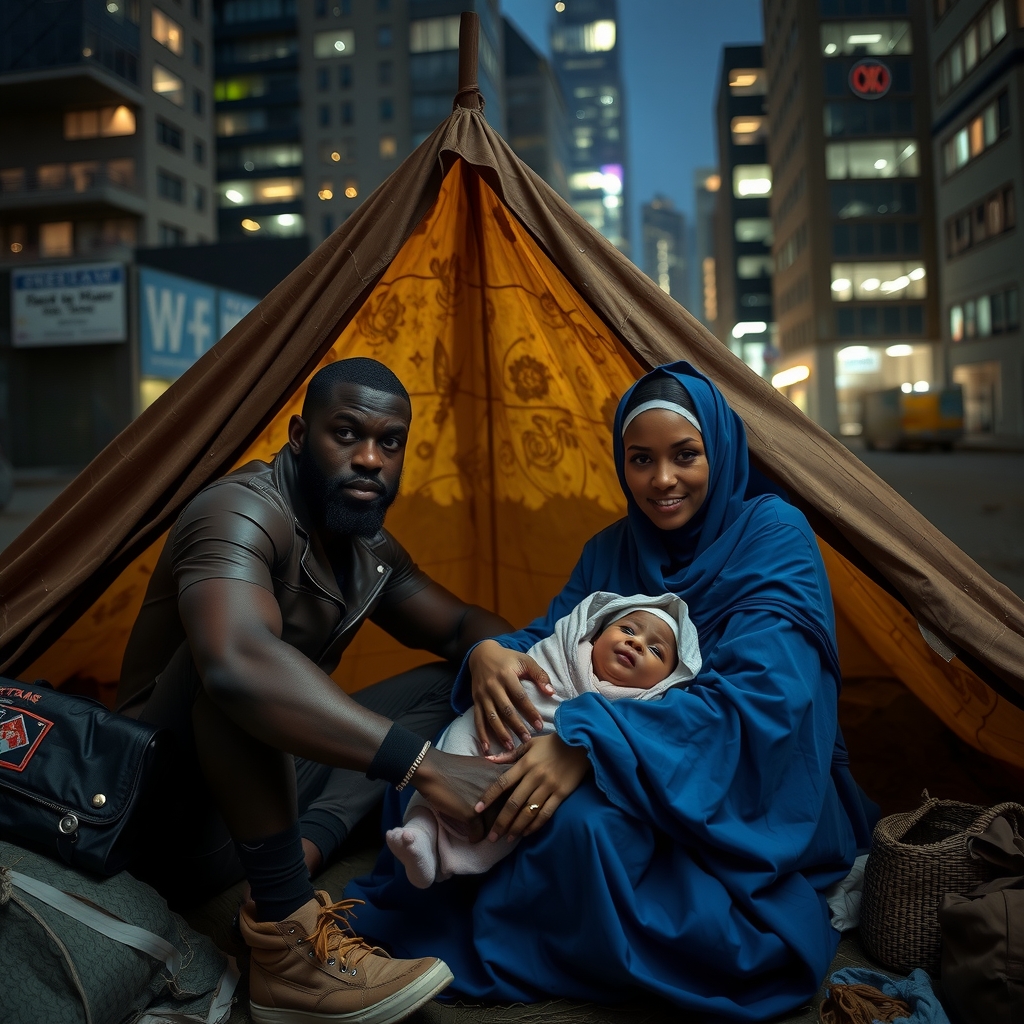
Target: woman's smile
(666,467)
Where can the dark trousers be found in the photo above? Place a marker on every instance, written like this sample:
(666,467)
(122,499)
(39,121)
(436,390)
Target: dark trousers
(186,852)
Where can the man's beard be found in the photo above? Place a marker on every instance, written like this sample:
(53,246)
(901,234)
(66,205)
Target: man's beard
(334,509)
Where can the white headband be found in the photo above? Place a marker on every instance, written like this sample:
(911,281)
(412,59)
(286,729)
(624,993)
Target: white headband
(661,403)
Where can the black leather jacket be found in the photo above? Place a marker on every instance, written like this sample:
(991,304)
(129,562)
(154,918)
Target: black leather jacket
(253,525)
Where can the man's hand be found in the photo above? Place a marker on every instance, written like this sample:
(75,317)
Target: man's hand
(454,786)
(499,701)
(545,772)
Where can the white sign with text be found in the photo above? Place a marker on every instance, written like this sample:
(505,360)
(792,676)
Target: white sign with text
(70,305)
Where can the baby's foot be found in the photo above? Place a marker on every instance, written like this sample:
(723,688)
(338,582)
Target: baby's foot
(416,850)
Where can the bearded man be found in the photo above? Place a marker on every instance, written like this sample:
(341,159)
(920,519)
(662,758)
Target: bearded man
(263,582)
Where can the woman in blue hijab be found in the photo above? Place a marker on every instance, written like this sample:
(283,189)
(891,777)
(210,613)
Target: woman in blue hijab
(678,847)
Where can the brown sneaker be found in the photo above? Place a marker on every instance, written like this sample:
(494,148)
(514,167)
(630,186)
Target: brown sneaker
(314,969)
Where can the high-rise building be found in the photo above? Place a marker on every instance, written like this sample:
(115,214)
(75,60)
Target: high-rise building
(977,49)
(855,285)
(320,100)
(107,144)
(433,46)
(585,49)
(106,117)
(663,232)
(703,283)
(535,112)
(743,228)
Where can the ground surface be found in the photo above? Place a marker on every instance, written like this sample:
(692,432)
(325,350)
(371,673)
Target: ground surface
(975,498)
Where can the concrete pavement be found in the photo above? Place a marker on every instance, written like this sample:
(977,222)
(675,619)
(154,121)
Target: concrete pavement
(976,498)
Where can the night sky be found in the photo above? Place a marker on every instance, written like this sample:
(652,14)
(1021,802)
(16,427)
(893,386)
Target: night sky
(671,56)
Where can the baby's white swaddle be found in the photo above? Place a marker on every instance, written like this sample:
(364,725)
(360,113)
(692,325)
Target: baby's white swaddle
(567,657)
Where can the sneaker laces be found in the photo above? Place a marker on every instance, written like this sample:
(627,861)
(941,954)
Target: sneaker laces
(334,936)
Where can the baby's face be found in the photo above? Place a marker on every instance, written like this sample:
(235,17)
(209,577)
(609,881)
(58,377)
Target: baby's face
(637,650)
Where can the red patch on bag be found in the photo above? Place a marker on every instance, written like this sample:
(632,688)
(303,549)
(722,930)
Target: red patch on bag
(21,732)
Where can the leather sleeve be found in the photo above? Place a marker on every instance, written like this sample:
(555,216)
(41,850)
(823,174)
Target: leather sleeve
(406,578)
(232,532)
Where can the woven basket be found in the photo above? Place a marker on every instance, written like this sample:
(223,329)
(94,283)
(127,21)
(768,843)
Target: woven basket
(916,858)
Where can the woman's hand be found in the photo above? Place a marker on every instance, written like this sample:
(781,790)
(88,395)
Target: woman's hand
(545,772)
(499,700)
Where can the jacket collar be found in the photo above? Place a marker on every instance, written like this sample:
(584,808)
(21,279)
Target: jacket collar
(285,474)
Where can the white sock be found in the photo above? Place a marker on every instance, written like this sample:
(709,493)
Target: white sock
(415,845)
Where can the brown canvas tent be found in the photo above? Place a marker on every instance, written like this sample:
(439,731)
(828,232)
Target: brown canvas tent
(516,327)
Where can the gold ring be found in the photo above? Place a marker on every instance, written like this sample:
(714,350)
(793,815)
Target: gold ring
(533,808)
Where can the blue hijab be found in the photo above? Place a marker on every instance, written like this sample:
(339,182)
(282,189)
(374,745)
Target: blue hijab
(709,552)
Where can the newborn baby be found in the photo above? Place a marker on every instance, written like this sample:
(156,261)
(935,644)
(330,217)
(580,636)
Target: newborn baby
(616,646)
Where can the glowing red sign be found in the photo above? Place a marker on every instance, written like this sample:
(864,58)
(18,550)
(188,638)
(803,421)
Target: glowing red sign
(870,79)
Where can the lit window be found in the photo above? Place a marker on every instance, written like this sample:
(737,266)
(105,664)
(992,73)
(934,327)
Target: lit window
(56,239)
(168,33)
(335,43)
(748,81)
(168,85)
(878,281)
(751,181)
(241,122)
(981,132)
(749,130)
(241,88)
(265,190)
(881,158)
(956,323)
(596,37)
(748,267)
(865,38)
(753,229)
(106,122)
(259,158)
(429,35)
(285,225)
(388,148)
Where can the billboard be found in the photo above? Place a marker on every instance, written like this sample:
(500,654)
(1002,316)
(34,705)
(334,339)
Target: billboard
(180,319)
(82,304)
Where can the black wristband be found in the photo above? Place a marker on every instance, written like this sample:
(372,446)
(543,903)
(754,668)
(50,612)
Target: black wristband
(395,756)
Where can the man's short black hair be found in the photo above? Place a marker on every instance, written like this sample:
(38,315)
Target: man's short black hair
(370,373)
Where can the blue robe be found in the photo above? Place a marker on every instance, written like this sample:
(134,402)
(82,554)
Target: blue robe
(692,864)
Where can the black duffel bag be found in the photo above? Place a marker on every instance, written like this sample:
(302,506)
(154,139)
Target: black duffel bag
(72,775)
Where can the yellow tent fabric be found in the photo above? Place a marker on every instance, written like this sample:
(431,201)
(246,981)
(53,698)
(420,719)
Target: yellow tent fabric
(514,381)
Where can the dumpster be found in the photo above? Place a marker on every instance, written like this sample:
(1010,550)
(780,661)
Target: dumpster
(896,419)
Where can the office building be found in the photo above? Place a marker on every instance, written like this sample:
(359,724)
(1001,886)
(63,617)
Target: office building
(855,284)
(106,120)
(743,227)
(535,114)
(318,101)
(663,235)
(703,283)
(585,49)
(977,51)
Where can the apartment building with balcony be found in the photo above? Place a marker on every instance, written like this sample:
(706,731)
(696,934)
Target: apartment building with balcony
(106,120)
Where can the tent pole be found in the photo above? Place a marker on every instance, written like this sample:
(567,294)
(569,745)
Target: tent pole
(469,95)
